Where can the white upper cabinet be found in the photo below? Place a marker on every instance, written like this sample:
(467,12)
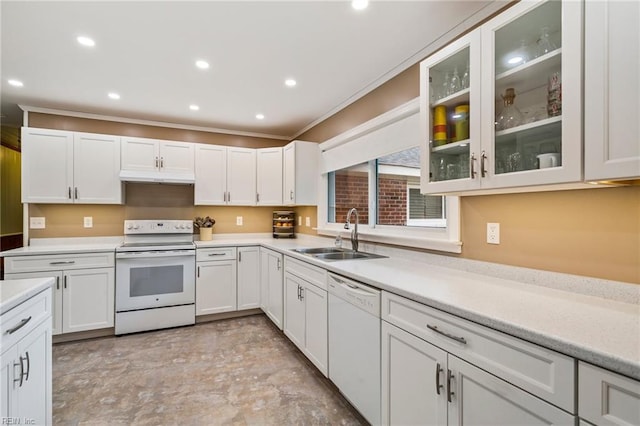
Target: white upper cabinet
(140,154)
(269,176)
(516,119)
(225,175)
(612,90)
(96,168)
(158,156)
(211,175)
(176,157)
(65,167)
(301,173)
(47,166)
(450,160)
(241,176)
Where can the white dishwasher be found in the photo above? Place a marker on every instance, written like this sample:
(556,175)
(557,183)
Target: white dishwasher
(354,344)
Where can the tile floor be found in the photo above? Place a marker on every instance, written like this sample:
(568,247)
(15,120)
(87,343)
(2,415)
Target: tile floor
(237,371)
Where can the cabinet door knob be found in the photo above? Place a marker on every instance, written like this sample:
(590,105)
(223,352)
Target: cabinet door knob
(438,385)
(69,193)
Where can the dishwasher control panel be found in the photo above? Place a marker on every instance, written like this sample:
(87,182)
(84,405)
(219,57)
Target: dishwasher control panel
(358,294)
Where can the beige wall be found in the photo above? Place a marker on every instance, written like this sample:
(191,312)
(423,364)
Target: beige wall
(151,201)
(592,232)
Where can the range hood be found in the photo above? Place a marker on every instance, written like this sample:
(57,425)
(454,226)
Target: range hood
(157,177)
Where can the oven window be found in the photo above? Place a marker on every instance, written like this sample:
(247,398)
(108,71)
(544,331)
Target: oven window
(149,281)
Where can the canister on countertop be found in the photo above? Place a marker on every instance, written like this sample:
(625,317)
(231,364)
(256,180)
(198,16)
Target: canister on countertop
(461,120)
(439,125)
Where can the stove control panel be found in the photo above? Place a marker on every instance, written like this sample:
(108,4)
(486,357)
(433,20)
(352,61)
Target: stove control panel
(158,227)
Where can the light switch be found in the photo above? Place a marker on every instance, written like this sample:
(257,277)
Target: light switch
(299,220)
(88,221)
(307,221)
(239,220)
(36,223)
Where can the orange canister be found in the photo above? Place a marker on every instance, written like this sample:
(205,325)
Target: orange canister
(461,120)
(439,125)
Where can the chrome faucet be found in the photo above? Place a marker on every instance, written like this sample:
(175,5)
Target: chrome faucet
(354,231)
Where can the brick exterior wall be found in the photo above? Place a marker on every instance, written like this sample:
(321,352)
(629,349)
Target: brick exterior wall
(352,191)
(392,200)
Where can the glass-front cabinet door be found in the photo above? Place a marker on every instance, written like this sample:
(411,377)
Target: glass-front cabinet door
(501,107)
(450,116)
(531,88)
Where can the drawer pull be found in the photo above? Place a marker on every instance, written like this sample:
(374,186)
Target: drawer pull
(21,324)
(63,262)
(438,385)
(450,336)
(217,254)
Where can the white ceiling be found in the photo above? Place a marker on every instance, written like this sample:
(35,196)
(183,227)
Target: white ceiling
(146,51)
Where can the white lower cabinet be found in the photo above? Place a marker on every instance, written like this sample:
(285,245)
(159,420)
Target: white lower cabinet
(606,398)
(271,285)
(216,288)
(441,369)
(305,319)
(248,277)
(25,362)
(83,299)
(413,380)
(423,384)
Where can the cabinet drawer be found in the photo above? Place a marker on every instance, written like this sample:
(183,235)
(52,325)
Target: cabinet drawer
(218,253)
(607,398)
(313,274)
(540,371)
(59,262)
(32,312)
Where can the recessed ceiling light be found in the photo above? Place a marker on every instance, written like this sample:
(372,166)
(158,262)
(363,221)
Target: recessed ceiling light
(260,116)
(290,82)
(194,107)
(203,65)
(86,41)
(114,95)
(359,4)
(16,83)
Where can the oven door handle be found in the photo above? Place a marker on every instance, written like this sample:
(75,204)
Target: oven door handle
(155,254)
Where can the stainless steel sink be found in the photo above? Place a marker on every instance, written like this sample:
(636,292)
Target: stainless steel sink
(348,255)
(331,254)
(319,250)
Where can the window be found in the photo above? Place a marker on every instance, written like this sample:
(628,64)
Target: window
(399,200)
(349,188)
(376,168)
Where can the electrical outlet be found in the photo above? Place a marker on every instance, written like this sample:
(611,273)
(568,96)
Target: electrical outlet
(36,223)
(239,220)
(88,222)
(299,220)
(307,221)
(493,233)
